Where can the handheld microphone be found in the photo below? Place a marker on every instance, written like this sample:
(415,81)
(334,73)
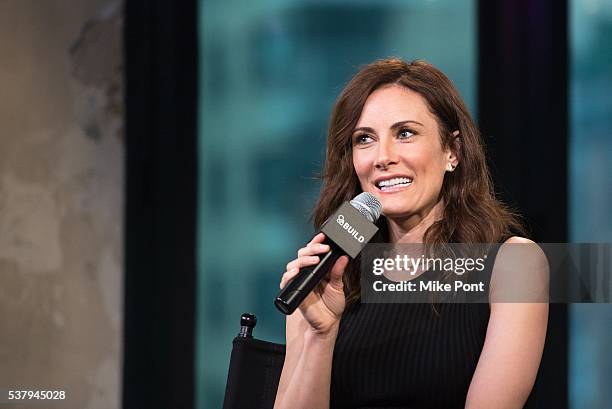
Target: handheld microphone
(347,231)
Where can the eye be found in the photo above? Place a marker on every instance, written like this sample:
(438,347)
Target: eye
(362,139)
(405,133)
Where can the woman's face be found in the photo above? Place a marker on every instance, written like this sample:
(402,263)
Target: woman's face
(397,152)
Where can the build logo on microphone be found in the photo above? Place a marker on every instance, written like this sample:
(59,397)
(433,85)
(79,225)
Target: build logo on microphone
(350,229)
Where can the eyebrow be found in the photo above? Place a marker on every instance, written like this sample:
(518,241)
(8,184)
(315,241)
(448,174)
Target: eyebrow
(394,126)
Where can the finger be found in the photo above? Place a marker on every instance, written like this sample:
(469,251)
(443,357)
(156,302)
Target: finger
(319,238)
(335,275)
(313,248)
(304,261)
(288,276)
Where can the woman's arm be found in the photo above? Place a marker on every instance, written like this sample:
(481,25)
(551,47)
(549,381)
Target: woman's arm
(311,335)
(513,347)
(306,376)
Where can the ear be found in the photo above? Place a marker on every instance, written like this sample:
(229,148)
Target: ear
(452,154)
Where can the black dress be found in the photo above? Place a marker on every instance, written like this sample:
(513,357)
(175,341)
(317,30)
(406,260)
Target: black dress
(407,355)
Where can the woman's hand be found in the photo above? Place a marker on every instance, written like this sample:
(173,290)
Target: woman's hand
(323,307)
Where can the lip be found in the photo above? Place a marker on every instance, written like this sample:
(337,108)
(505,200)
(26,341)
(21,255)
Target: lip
(392,190)
(392,176)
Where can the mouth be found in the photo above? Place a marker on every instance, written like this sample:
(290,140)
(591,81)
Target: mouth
(393,184)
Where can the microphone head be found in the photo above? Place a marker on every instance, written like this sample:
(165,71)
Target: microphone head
(368,205)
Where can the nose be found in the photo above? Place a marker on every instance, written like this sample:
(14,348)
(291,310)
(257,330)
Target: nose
(386,154)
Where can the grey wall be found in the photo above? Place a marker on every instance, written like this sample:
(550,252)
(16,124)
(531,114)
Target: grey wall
(61,194)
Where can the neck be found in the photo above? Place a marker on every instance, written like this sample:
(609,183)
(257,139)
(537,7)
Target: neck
(411,229)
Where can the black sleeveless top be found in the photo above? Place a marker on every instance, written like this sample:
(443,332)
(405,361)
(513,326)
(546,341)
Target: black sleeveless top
(407,355)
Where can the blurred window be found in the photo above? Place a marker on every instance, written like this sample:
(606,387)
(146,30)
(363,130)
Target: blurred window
(590,190)
(270,72)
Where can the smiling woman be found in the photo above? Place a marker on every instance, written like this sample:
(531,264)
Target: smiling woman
(403,162)
(398,119)
(401,132)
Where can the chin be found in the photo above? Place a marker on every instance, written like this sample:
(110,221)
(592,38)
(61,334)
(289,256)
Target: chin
(396,211)
(395,205)
(397,215)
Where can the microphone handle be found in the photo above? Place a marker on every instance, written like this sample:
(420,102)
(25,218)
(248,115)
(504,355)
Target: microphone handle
(306,280)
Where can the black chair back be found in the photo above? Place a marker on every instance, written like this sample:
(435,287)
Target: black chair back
(255,369)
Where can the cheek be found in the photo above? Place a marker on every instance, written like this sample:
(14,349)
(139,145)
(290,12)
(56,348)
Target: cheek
(361,164)
(432,162)
(433,171)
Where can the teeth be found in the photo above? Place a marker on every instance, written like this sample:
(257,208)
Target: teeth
(394,182)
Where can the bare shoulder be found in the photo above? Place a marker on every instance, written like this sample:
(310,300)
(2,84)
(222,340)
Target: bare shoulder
(518,239)
(520,252)
(520,272)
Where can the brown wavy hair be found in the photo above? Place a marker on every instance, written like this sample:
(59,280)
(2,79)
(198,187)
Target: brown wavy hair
(471,212)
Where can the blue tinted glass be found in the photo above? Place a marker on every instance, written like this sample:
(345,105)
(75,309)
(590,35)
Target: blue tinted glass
(590,363)
(270,72)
